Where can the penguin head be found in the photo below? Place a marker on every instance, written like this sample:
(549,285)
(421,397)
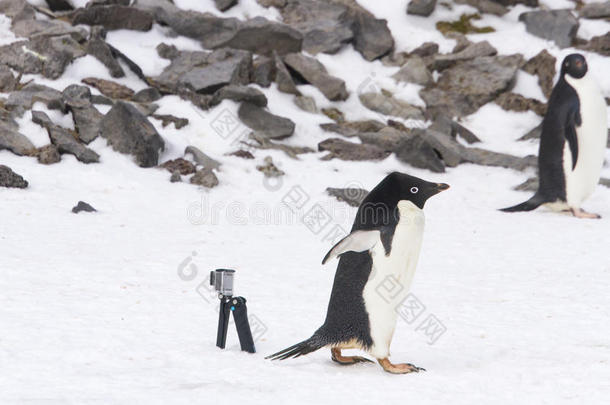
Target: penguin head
(574,65)
(414,189)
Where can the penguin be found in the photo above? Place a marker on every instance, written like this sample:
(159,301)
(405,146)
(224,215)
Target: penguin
(573,142)
(383,246)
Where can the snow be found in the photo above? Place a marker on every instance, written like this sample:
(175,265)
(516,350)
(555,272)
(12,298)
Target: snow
(94,310)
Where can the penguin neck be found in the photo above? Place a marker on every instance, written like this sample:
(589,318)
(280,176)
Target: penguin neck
(584,84)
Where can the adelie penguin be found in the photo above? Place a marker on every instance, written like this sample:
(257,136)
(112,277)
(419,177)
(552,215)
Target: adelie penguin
(383,245)
(573,142)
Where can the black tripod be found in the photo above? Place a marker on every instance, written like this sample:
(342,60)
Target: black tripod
(237,305)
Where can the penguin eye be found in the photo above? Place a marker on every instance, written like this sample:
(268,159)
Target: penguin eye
(414,190)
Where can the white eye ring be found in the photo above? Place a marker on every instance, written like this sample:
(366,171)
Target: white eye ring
(414,190)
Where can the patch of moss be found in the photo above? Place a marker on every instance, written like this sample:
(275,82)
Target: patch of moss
(463,25)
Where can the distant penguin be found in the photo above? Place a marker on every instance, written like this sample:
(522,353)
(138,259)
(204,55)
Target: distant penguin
(573,142)
(383,246)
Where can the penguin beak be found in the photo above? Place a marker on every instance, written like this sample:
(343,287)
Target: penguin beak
(441,187)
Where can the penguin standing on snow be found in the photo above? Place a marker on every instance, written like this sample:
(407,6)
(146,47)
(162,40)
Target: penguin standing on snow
(573,141)
(383,246)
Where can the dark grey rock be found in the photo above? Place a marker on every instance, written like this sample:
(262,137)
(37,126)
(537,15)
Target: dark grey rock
(326,26)
(10,179)
(604,182)
(352,196)
(516,102)
(530,184)
(414,71)
(345,150)
(315,73)
(87,122)
(201,158)
(534,133)
(488,158)
(599,44)
(17,10)
(388,105)
(76,95)
(205,178)
(269,169)
(464,88)
(95,3)
(372,37)
(180,165)
(128,131)
(306,103)
(147,95)
(114,17)
(83,207)
(26,97)
(224,5)
(263,71)
(419,153)
(262,121)
(351,128)
(559,26)
(543,66)
(471,51)
(109,88)
(421,7)
(284,80)
(47,28)
(447,126)
(426,49)
(11,139)
(389,139)
(239,93)
(7,80)
(99,49)
(64,140)
(175,177)
(167,119)
(485,6)
(507,3)
(232,67)
(596,10)
(48,155)
(59,5)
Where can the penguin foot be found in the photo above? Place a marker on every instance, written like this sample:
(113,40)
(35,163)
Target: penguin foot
(580,213)
(403,368)
(335,355)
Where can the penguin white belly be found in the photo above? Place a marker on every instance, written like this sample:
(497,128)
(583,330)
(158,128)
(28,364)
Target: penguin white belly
(592,137)
(391,276)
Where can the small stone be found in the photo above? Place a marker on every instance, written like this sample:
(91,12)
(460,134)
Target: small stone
(239,93)
(175,177)
(414,71)
(421,7)
(260,120)
(180,165)
(334,114)
(269,169)
(263,71)
(596,10)
(147,95)
(244,154)
(83,207)
(48,155)
(167,119)
(559,26)
(517,102)
(7,80)
(315,73)
(224,5)
(485,6)
(205,178)
(10,179)
(201,158)
(306,103)
(284,80)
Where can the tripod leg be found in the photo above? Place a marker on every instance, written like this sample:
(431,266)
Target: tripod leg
(223,323)
(240,315)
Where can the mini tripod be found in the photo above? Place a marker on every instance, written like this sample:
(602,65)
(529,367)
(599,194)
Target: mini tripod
(222,280)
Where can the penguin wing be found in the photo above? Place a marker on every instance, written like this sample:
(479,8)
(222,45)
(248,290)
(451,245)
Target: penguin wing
(357,241)
(573,120)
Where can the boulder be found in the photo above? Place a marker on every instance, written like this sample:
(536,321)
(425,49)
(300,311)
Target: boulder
(599,44)
(471,51)
(224,5)
(387,105)
(239,93)
(128,131)
(414,71)
(11,139)
(8,82)
(421,7)
(389,139)
(82,206)
(284,80)
(268,125)
(595,10)
(201,158)
(517,102)
(114,17)
(31,93)
(263,71)
(147,95)
(223,67)
(559,26)
(372,37)
(99,49)
(419,153)
(47,28)
(48,155)
(315,73)
(10,179)
(345,150)
(269,169)
(182,166)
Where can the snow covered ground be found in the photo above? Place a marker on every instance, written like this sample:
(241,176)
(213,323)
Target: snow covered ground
(114,307)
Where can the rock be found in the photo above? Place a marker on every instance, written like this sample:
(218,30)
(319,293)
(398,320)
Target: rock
(414,71)
(98,48)
(604,182)
(345,150)
(224,5)
(372,37)
(47,28)
(447,126)
(272,3)
(10,179)
(559,26)
(291,151)
(306,103)
(128,131)
(17,10)
(205,178)
(599,44)
(25,98)
(426,49)
(263,36)
(351,128)
(419,153)
(471,51)
(530,184)
(506,3)
(325,26)
(488,158)
(114,17)
(595,10)
(95,3)
(534,133)
(269,169)
(182,166)
(167,119)
(83,207)
(175,177)
(109,88)
(46,55)
(182,62)
(388,105)
(201,158)
(450,151)
(352,196)
(11,139)
(389,139)
(48,155)
(239,93)
(519,103)
(421,7)
(232,67)
(334,114)
(485,6)
(263,71)
(7,80)
(64,141)
(543,66)
(260,120)
(241,153)
(315,73)
(59,5)
(147,95)
(87,122)
(464,88)
(284,80)
(76,95)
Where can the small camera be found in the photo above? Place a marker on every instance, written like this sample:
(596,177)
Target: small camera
(222,280)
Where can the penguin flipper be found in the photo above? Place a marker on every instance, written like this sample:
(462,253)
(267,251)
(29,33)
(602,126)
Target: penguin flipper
(529,205)
(357,241)
(574,119)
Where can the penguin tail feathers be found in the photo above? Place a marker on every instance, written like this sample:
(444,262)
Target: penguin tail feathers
(529,205)
(300,349)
